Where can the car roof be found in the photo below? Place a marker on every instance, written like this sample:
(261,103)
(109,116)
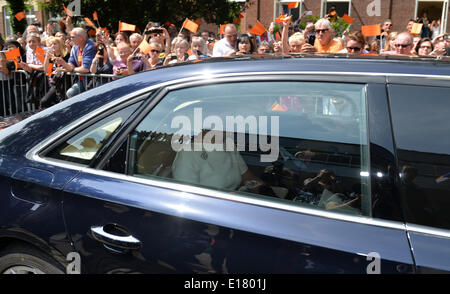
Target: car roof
(365,63)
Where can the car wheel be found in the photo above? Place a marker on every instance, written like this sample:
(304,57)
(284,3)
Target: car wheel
(21,259)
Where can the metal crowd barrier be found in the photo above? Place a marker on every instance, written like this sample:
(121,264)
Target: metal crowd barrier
(15,89)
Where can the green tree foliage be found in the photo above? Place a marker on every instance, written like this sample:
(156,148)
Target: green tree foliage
(140,12)
(16,6)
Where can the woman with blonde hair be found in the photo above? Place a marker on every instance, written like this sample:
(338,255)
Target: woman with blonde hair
(198,48)
(390,42)
(56,59)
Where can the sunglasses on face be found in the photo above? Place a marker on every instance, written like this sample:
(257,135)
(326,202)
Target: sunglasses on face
(403,46)
(155,51)
(322,31)
(357,49)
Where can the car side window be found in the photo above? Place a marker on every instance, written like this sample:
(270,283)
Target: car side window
(420,120)
(82,147)
(303,143)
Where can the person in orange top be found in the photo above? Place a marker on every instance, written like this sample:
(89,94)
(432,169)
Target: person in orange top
(324,39)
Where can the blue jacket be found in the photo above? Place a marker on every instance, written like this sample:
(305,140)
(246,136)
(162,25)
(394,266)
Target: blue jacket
(88,55)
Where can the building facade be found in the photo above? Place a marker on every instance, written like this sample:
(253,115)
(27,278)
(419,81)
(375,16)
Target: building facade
(364,12)
(33,15)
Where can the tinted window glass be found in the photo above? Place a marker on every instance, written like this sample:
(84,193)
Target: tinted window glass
(420,118)
(305,143)
(82,147)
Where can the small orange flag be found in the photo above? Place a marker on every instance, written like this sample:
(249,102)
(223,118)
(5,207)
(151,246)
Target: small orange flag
(123,26)
(21,15)
(13,55)
(145,47)
(68,12)
(89,22)
(40,54)
(222,29)
(278,36)
(190,25)
(371,30)
(282,18)
(49,69)
(95,15)
(348,19)
(236,21)
(258,29)
(277,107)
(416,28)
(293,5)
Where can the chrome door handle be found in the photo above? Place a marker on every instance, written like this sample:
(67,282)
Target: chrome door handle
(114,235)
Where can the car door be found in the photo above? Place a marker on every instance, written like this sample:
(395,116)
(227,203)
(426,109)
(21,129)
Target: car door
(419,115)
(243,175)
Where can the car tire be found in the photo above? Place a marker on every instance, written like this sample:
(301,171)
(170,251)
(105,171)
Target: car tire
(23,259)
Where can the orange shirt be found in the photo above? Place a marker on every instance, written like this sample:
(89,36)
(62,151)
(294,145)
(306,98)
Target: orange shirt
(333,46)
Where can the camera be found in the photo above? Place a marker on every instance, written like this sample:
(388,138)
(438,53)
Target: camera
(446,37)
(100,50)
(154,31)
(312,39)
(137,57)
(174,57)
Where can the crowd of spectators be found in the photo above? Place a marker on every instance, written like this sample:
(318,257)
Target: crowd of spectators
(83,50)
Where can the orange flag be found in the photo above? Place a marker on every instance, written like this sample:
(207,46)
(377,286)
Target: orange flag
(258,29)
(68,12)
(190,25)
(89,22)
(282,18)
(277,107)
(416,28)
(13,55)
(293,5)
(371,30)
(222,29)
(95,15)
(236,21)
(348,19)
(40,54)
(278,36)
(145,47)
(123,26)
(49,69)
(21,15)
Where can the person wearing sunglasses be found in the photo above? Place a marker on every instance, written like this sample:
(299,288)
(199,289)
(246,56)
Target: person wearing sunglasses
(404,44)
(324,42)
(154,61)
(354,44)
(424,47)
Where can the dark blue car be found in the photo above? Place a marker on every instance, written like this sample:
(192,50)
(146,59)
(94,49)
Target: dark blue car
(270,165)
